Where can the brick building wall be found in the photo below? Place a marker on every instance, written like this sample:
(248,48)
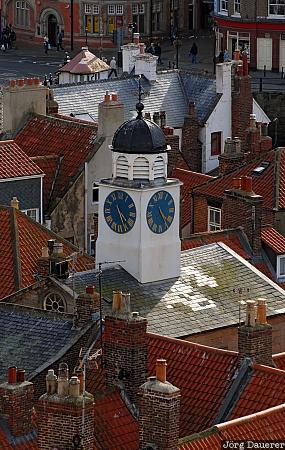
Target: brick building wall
(200,219)
(241,108)
(191,148)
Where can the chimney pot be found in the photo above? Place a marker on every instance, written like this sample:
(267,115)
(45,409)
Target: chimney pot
(126,303)
(21,375)
(45,252)
(236,183)
(21,82)
(252,121)
(89,290)
(62,382)
(117,300)
(246,184)
(135,315)
(261,311)
(155,117)
(114,97)
(12,83)
(191,109)
(152,378)
(15,203)
(58,249)
(51,382)
(51,243)
(37,81)
(147,115)
(12,375)
(142,47)
(136,38)
(107,97)
(264,129)
(236,55)
(250,313)
(161,370)
(74,386)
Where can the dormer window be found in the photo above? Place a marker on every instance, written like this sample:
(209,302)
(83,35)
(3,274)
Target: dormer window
(280,266)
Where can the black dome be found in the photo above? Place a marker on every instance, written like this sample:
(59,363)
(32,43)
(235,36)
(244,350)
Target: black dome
(139,136)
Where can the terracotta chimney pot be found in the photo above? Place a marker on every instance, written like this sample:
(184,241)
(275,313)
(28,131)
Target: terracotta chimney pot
(261,311)
(12,83)
(107,97)
(12,375)
(21,82)
(161,370)
(250,313)
(117,300)
(21,375)
(15,203)
(37,81)
(236,183)
(114,97)
(30,81)
(136,38)
(142,47)
(246,184)
(89,290)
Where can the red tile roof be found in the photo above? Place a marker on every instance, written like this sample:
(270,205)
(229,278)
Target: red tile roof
(26,443)
(190,180)
(265,389)
(115,427)
(263,184)
(21,245)
(71,141)
(273,239)
(229,237)
(85,62)
(266,425)
(15,163)
(279,360)
(203,381)
(49,165)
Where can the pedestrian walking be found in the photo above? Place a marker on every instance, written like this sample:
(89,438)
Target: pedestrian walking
(46,44)
(193,53)
(151,49)
(221,57)
(157,52)
(59,39)
(113,65)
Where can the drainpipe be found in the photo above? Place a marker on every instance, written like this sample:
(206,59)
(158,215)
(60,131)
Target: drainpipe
(85,206)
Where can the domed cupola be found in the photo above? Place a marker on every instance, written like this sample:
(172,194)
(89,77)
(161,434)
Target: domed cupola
(140,149)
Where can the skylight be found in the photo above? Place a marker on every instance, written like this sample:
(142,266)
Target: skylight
(261,168)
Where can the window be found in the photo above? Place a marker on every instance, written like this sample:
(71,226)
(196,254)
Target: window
(214,219)
(138,10)
(91,17)
(95,193)
(280,266)
(115,17)
(22,16)
(156,16)
(216,141)
(54,302)
(237,6)
(92,244)
(277,7)
(32,213)
(224,5)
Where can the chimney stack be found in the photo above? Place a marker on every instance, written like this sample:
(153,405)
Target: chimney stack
(242,207)
(52,260)
(125,347)
(110,115)
(255,336)
(232,157)
(159,411)
(16,402)
(191,147)
(60,411)
(86,306)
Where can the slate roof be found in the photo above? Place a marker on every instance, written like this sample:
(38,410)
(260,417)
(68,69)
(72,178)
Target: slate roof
(263,184)
(201,299)
(85,62)
(171,93)
(21,242)
(115,427)
(14,162)
(190,180)
(267,425)
(31,338)
(203,374)
(71,141)
(273,239)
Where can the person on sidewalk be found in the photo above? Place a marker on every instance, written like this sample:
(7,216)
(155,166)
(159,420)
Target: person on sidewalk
(113,66)
(193,53)
(46,45)
(157,52)
(221,57)
(59,38)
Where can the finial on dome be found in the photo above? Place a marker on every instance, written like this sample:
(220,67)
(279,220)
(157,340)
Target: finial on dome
(139,108)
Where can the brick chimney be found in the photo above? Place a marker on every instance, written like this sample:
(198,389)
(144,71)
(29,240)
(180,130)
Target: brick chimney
(159,404)
(242,207)
(125,347)
(86,305)
(110,115)
(255,336)
(232,157)
(191,148)
(241,102)
(65,415)
(16,402)
(257,138)
(51,104)
(173,141)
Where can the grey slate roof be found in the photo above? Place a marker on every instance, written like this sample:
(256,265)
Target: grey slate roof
(201,299)
(170,93)
(31,338)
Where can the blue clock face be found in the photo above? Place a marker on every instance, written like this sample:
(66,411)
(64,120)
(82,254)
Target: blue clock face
(120,212)
(160,212)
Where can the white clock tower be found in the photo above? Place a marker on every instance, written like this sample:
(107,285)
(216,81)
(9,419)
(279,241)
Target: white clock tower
(139,206)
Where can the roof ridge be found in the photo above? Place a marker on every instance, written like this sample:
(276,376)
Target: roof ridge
(71,122)
(193,344)
(268,369)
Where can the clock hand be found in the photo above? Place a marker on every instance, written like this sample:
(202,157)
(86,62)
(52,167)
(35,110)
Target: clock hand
(163,216)
(122,217)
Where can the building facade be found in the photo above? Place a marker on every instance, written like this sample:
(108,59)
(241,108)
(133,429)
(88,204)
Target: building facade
(256,27)
(102,19)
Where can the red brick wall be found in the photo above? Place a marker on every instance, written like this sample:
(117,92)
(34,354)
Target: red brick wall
(125,350)
(190,146)
(256,343)
(173,141)
(200,218)
(159,419)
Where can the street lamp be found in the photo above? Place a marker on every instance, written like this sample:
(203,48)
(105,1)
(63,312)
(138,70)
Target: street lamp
(86,31)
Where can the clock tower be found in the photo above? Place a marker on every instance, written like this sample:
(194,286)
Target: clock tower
(139,206)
